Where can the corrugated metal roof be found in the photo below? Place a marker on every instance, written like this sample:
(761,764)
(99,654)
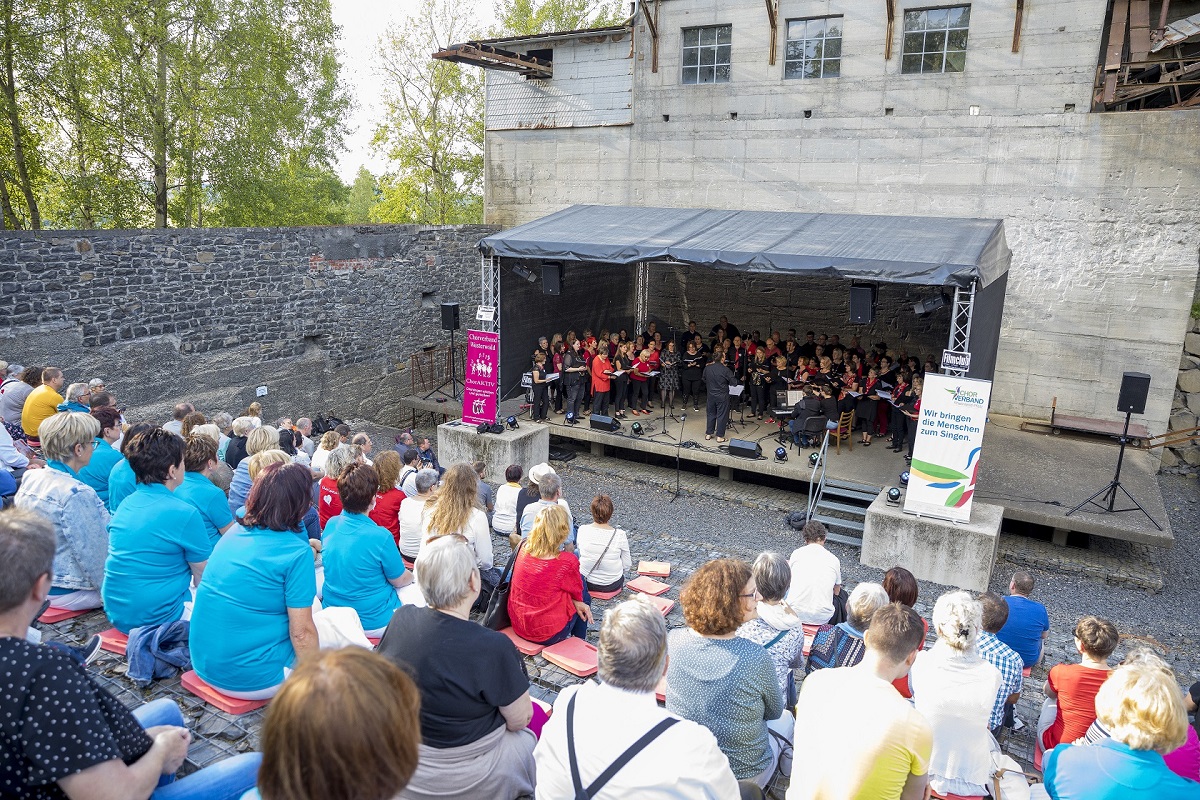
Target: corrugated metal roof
(624,27)
(1178,31)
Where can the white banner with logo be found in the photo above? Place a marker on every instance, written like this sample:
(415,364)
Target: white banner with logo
(947,448)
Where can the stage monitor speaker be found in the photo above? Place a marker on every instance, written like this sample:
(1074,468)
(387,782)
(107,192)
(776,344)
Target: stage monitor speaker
(862,305)
(449,316)
(744,449)
(1135,386)
(600,422)
(552,277)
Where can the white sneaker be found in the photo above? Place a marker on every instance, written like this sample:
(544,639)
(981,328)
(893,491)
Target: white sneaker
(1018,723)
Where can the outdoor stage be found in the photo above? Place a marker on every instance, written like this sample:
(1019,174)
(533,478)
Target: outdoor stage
(1035,477)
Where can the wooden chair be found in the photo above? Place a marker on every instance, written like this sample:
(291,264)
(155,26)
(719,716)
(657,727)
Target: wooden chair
(845,431)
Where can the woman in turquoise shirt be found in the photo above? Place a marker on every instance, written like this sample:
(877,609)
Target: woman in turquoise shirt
(105,456)
(121,480)
(362,565)
(253,612)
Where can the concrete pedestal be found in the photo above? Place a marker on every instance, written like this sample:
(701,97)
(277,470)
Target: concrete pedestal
(528,445)
(953,554)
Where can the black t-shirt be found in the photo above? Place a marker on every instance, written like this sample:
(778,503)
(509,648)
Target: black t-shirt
(55,721)
(465,673)
(526,496)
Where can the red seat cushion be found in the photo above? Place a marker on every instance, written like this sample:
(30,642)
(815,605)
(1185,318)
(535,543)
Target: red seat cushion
(605,595)
(655,569)
(230,705)
(663,604)
(648,585)
(660,691)
(574,655)
(1027,671)
(113,641)
(523,645)
(54,615)
(374,640)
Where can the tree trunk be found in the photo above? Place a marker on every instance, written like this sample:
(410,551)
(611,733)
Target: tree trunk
(160,133)
(14,120)
(8,220)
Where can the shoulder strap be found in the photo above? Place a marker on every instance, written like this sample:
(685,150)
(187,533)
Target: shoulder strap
(778,636)
(594,788)
(603,553)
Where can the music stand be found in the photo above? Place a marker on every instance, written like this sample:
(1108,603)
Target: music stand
(663,432)
(734,391)
(1108,495)
(678,444)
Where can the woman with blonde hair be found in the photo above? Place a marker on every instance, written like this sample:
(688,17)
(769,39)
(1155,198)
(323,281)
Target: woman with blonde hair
(257,441)
(455,509)
(546,602)
(330,441)
(235,450)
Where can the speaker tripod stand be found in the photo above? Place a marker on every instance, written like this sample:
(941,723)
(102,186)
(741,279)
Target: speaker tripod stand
(1108,495)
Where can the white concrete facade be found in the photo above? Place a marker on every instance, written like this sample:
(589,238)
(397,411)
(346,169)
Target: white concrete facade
(1100,208)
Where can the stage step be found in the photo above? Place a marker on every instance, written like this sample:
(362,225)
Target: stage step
(856,525)
(827,505)
(852,491)
(848,540)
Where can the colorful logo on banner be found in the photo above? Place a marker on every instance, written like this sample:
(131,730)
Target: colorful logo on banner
(947,447)
(481,377)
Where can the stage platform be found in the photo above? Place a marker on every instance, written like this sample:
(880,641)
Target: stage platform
(1037,478)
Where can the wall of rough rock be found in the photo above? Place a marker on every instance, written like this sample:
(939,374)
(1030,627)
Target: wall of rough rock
(1185,410)
(326,318)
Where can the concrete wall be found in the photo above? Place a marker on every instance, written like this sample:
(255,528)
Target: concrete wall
(1098,208)
(325,317)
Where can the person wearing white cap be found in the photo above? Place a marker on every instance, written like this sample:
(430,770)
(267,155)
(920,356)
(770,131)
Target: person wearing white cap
(549,487)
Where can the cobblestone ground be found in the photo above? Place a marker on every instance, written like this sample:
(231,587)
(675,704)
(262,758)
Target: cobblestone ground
(712,519)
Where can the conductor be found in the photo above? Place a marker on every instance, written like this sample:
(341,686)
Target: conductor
(717,379)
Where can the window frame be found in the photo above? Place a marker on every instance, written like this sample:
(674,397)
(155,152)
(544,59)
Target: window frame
(946,55)
(802,61)
(703,49)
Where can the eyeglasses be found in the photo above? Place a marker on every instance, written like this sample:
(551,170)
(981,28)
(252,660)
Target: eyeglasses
(751,594)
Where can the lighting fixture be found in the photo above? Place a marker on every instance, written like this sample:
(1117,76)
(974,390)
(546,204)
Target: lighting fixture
(893,496)
(781,454)
(512,423)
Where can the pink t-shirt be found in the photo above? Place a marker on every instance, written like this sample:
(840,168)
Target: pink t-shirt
(1185,761)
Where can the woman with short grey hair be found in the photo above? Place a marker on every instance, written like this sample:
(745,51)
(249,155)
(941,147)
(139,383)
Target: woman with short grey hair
(777,628)
(842,645)
(475,703)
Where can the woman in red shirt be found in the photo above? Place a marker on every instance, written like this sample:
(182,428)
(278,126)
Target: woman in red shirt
(640,382)
(601,382)
(386,512)
(546,601)
(1070,689)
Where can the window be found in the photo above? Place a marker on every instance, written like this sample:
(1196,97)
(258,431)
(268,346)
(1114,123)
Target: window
(706,53)
(814,48)
(935,39)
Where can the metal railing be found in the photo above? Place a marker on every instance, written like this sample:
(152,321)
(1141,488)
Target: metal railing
(816,485)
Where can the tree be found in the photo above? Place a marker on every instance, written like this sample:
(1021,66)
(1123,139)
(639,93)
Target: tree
(529,17)
(363,195)
(433,125)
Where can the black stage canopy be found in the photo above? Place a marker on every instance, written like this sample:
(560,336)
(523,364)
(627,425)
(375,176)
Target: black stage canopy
(931,251)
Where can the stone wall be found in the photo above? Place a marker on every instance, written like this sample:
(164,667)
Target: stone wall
(326,318)
(1185,411)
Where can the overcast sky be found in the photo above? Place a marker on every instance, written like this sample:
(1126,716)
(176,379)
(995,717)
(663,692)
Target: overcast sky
(362,22)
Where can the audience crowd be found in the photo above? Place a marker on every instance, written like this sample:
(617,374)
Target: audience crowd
(278,584)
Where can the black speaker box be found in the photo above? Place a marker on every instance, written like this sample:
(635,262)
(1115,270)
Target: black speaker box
(1135,387)
(600,422)
(862,305)
(552,277)
(744,449)
(449,316)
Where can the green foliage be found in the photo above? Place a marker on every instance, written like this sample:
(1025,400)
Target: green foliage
(433,125)
(528,17)
(184,112)
(363,196)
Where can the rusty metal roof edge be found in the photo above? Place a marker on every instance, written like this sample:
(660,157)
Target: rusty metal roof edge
(624,27)
(1178,32)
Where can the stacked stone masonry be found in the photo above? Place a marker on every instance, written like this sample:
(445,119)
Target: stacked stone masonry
(326,318)
(1185,411)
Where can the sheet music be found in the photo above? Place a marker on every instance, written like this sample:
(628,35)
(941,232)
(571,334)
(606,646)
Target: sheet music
(885,396)
(794,396)
(736,391)
(653,373)
(553,376)
(615,373)
(854,394)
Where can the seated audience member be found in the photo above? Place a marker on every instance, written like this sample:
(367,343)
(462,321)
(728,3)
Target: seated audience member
(816,578)
(504,518)
(42,402)
(455,509)
(253,617)
(224,423)
(14,463)
(842,645)
(191,422)
(603,550)
(329,504)
(330,441)
(199,461)
(607,718)
(18,383)
(1003,658)
(260,439)
(104,455)
(487,496)
(388,496)
(475,704)
(363,442)
(546,601)
(78,398)
(428,457)
(345,726)
(955,690)
(530,494)
(1070,705)
(413,513)
(363,569)
(79,518)
(175,425)
(411,465)
(1141,709)
(724,682)
(121,480)
(235,451)
(221,475)
(304,428)
(549,487)
(157,545)
(776,628)
(64,735)
(870,743)
(1028,623)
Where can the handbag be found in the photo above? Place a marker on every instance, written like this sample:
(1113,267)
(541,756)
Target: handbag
(496,617)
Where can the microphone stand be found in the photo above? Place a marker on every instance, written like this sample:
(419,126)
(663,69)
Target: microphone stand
(678,444)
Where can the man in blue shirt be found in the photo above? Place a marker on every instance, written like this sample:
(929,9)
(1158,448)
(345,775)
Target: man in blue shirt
(1028,623)
(200,459)
(157,546)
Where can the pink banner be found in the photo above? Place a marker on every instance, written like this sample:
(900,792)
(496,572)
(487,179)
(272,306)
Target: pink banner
(482,377)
